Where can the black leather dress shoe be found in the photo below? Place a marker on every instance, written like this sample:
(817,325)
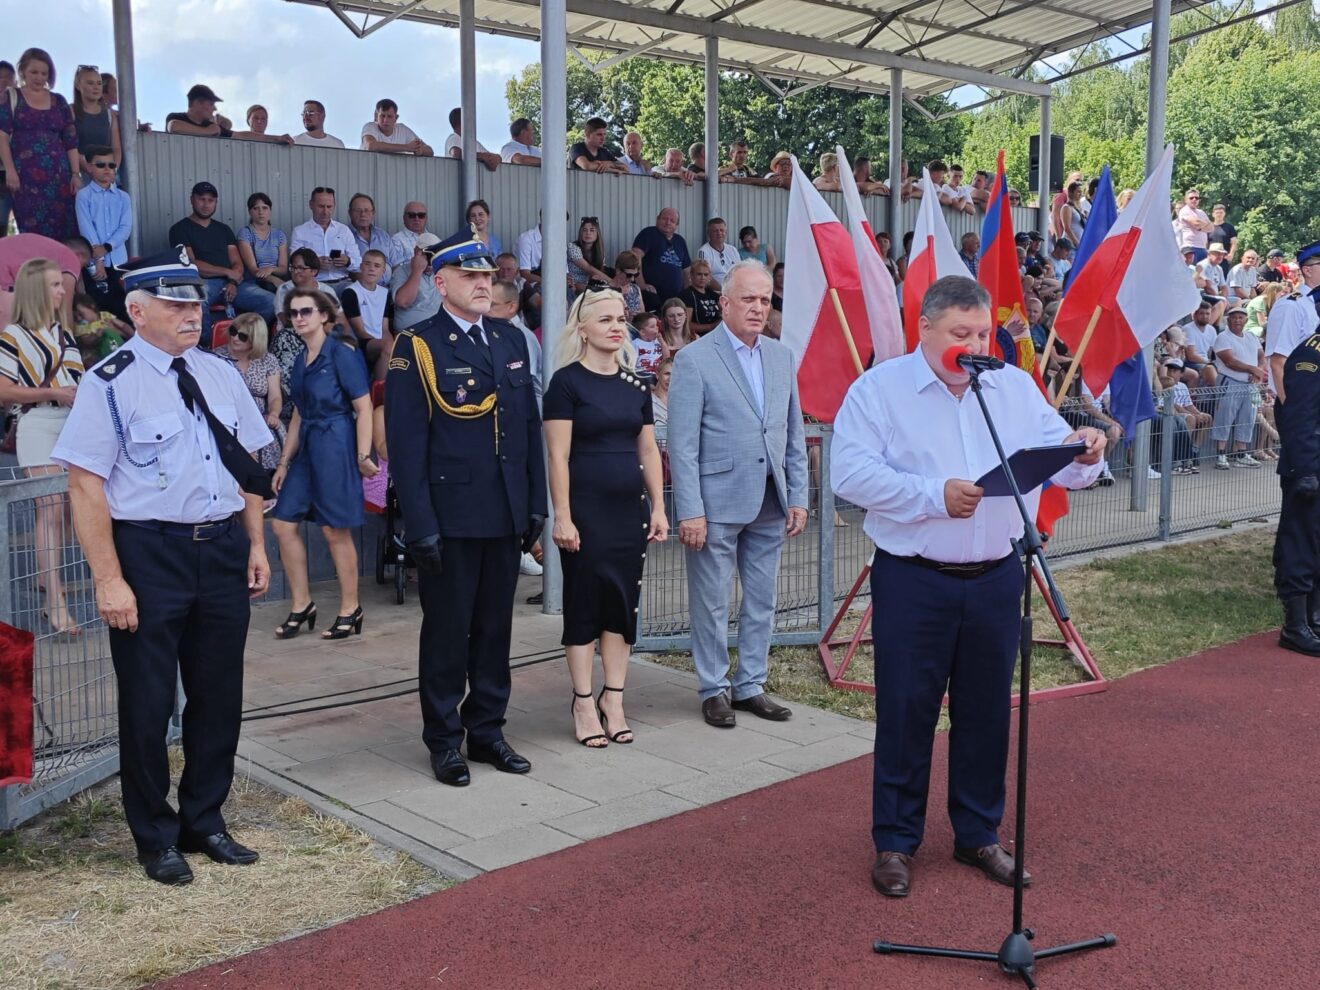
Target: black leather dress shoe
(166,866)
(501,756)
(761,706)
(450,768)
(716,711)
(220,848)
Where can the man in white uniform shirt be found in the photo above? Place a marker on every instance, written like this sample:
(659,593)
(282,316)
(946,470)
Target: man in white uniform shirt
(332,241)
(1294,318)
(946,580)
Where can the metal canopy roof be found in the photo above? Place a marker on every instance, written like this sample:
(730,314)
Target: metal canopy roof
(848,44)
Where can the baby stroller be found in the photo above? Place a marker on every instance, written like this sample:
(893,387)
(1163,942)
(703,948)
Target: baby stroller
(390,550)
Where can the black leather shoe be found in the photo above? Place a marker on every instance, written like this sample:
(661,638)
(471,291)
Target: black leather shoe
(717,711)
(1296,634)
(501,756)
(450,768)
(761,706)
(166,866)
(220,848)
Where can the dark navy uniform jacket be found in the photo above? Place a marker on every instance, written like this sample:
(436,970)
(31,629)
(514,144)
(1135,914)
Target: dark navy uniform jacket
(1300,453)
(463,430)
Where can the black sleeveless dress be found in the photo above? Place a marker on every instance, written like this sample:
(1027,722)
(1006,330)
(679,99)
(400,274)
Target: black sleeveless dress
(607,496)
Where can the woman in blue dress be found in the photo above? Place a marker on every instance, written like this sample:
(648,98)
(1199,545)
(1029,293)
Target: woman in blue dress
(326,456)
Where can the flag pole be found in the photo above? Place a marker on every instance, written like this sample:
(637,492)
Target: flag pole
(847,333)
(1077,359)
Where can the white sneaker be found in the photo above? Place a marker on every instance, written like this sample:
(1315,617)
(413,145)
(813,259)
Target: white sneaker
(1152,474)
(529,566)
(1247,461)
(1221,462)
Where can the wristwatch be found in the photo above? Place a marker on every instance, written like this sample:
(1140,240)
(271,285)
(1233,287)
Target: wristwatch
(363,457)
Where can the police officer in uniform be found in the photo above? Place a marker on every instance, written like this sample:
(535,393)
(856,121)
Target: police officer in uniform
(155,444)
(466,457)
(1293,319)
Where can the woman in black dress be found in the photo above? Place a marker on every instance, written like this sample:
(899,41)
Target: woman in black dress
(606,487)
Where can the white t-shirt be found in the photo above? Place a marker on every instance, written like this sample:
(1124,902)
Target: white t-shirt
(720,261)
(1242,277)
(649,355)
(1246,348)
(962,192)
(307,141)
(529,249)
(518,148)
(1213,275)
(1202,339)
(456,141)
(402,134)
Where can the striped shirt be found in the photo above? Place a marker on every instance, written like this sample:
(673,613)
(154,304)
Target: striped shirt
(26,357)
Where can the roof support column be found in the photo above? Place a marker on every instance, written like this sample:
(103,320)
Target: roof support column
(711,193)
(554,237)
(1043,179)
(1159,84)
(895,219)
(122,18)
(467,59)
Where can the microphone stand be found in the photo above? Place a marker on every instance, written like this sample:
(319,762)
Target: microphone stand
(1015,957)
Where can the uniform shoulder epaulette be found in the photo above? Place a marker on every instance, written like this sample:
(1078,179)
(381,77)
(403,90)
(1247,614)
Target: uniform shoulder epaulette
(1312,343)
(1295,294)
(113,365)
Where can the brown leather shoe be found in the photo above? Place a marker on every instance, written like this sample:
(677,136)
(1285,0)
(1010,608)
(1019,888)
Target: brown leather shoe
(717,711)
(761,706)
(892,874)
(995,861)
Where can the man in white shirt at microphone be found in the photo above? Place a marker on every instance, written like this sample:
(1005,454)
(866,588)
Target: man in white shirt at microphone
(946,581)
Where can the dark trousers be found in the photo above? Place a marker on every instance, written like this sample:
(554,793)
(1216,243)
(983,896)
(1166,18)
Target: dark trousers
(933,631)
(467,620)
(1296,544)
(193,614)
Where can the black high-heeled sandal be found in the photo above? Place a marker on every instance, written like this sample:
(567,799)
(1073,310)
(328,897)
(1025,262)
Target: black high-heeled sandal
(590,739)
(604,722)
(345,625)
(292,626)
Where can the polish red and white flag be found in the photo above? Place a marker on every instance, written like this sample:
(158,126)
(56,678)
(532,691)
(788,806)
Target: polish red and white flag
(933,257)
(877,284)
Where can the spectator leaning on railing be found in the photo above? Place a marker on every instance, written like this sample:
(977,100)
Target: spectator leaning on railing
(454,143)
(313,118)
(386,135)
(522,148)
(591,155)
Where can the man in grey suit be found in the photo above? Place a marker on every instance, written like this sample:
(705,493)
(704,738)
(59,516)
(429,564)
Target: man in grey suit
(739,464)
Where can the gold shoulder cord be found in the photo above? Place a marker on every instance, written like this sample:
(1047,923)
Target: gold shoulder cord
(470,410)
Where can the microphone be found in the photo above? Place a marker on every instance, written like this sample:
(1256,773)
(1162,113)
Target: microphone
(959,358)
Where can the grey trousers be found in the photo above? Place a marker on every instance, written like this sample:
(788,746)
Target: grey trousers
(753,548)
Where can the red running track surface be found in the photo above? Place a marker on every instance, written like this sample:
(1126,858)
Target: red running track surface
(1177,810)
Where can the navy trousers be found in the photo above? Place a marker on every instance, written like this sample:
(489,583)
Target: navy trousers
(934,631)
(1297,544)
(193,614)
(467,621)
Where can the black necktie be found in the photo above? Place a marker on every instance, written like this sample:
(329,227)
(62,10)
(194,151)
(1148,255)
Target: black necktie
(251,476)
(474,332)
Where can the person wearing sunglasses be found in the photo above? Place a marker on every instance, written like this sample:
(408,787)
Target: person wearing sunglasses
(414,226)
(1194,226)
(627,273)
(105,212)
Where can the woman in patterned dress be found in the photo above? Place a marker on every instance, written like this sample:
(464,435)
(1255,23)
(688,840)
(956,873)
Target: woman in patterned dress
(39,150)
(246,350)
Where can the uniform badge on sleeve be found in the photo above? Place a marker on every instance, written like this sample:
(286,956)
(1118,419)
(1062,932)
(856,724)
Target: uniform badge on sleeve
(399,364)
(112,366)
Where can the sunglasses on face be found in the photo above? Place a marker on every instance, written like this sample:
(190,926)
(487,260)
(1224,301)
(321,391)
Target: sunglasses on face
(302,313)
(110,165)
(415,216)
(631,274)
(240,335)
(88,68)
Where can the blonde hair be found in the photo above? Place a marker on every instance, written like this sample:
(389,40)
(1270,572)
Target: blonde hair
(675,303)
(256,328)
(34,309)
(828,161)
(572,345)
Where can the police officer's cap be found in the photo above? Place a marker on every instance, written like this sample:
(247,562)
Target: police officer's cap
(462,251)
(1307,253)
(168,275)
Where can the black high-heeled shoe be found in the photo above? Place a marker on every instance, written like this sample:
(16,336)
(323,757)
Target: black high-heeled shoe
(590,739)
(605,724)
(291,626)
(345,626)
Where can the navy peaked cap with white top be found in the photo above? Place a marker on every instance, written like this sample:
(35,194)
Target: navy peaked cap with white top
(1307,253)
(462,251)
(168,275)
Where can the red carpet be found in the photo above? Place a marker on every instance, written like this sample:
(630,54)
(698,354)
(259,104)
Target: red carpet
(1177,810)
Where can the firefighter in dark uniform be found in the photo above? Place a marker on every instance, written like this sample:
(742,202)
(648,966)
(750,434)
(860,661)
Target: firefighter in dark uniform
(466,458)
(1297,543)
(167,503)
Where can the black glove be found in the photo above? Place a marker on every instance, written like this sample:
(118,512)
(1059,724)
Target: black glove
(1308,485)
(425,553)
(533,533)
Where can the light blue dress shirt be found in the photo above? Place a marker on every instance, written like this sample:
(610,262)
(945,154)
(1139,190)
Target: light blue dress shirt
(750,360)
(901,434)
(159,460)
(381,241)
(105,216)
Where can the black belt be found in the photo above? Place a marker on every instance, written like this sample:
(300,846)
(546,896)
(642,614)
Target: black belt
(965,571)
(197,532)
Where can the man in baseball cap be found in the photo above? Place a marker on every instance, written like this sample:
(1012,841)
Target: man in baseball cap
(200,120)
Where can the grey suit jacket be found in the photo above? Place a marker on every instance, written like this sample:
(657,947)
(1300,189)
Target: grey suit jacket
(720,444)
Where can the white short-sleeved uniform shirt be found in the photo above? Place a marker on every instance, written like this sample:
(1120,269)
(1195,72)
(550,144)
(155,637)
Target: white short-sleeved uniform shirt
(129,425)
(402,134)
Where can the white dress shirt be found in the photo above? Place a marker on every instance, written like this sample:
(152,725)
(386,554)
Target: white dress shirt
(901,434)
(749,358)
(529,249)
(323,240)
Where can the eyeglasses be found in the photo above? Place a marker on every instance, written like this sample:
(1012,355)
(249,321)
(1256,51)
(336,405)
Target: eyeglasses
(631,274)
(110,165)
(303,312)
(1193,197)
(89,68)
(240,335)
(415,216)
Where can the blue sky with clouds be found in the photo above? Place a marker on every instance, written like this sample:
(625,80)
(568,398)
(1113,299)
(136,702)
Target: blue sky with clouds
(276,54)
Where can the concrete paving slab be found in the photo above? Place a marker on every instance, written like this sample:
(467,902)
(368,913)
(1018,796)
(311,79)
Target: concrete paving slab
(357,778)
(807,726)
(494,802)
(822,754)
(420,828)
(710,749)
(723,784)
(321,734)
(615,816)
(610,774)
(514,846)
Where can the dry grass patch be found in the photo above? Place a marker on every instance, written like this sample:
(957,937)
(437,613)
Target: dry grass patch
(1134,611)
(77,913)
